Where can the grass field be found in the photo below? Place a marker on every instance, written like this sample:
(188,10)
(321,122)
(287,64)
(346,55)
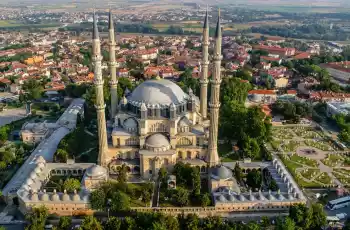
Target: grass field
(9,23)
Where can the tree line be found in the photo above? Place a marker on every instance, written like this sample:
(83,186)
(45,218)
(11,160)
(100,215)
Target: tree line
(300,217)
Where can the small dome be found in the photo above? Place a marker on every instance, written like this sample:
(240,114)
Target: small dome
(241,197)
(37,170)
(76,196)
(231,198)
(130,123)
(172,106)
(29,181)
(40,159)
(44,197)
(184,122)
(65,196)
(96,171)
(280,196)
(33,196)
(261,196)
(251,197)
(221,198)
(143,107)
(33,175)
(25,187)
(222,173)
(157,141)
(290,196)
(271,197)
(55,196)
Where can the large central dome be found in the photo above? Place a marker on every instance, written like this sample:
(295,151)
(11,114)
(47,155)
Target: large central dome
(163,92)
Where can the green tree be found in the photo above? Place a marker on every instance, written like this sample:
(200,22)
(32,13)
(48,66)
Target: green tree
(254,179)
(61,156)
(90,223)
(190,222)
(265,222)
(33,89)
(181,196)
(71,184)
(205,200)
(64,223)
(318,217)
(128,223)
(212,222)
(162,175)
(196,181)
(120,201)
(98,199)
(145,196)
(2,228)
(37,218)
(347,224)
(238,172)
(113,223)
(122,174)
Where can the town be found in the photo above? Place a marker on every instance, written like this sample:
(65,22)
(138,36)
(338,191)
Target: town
(195,128)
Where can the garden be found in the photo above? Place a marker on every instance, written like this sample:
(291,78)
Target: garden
(332,160)
(190,190)
(61,183)
(319,144)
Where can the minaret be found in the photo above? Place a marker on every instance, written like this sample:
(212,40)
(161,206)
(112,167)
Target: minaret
(112,68)
(214,105)
(100,104)
(204,69)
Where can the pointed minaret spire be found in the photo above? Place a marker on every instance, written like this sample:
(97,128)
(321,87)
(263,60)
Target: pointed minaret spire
(100,104)
(213,156)
(110,21)
(204,69)
(112,67)
(95,33)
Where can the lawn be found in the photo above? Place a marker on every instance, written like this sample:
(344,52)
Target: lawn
(324,179)
(290,146)
(282,133)
(345,179)
(9,23)
(306,133)
(332,160)
(292,166)
(133,201)
(303,160)
(275,144)
(322,145)
(309,173)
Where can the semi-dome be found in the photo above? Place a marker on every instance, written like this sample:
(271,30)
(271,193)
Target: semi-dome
(157,143)
(163,92)
(130,124)
(222,173)
(96,171)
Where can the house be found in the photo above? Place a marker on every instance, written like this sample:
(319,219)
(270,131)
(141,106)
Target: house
(123,73)
(33,60)
(301,56)
(270,59)
(340,72)
(327,96)
(262,96)
(281,52)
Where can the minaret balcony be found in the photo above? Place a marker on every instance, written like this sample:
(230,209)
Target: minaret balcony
(204,81)
(217,57)
(113,83)
(214,106)
(96,58)
(215,81)
(205,63)
(113,64)
(100,107)
(98,81)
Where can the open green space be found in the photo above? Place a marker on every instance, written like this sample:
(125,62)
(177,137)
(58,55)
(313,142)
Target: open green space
(282,133)
(290,146)
(306,133)
(57,182)
(9,23)
(344,179)
(319,144)
(324,178)
(333,160)
(309,173)
(304,160)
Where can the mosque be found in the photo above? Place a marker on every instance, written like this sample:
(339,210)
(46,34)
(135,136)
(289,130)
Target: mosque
(155,126)
(158,124)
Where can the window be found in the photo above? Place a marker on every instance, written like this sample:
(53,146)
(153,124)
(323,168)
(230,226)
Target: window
(150,171)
